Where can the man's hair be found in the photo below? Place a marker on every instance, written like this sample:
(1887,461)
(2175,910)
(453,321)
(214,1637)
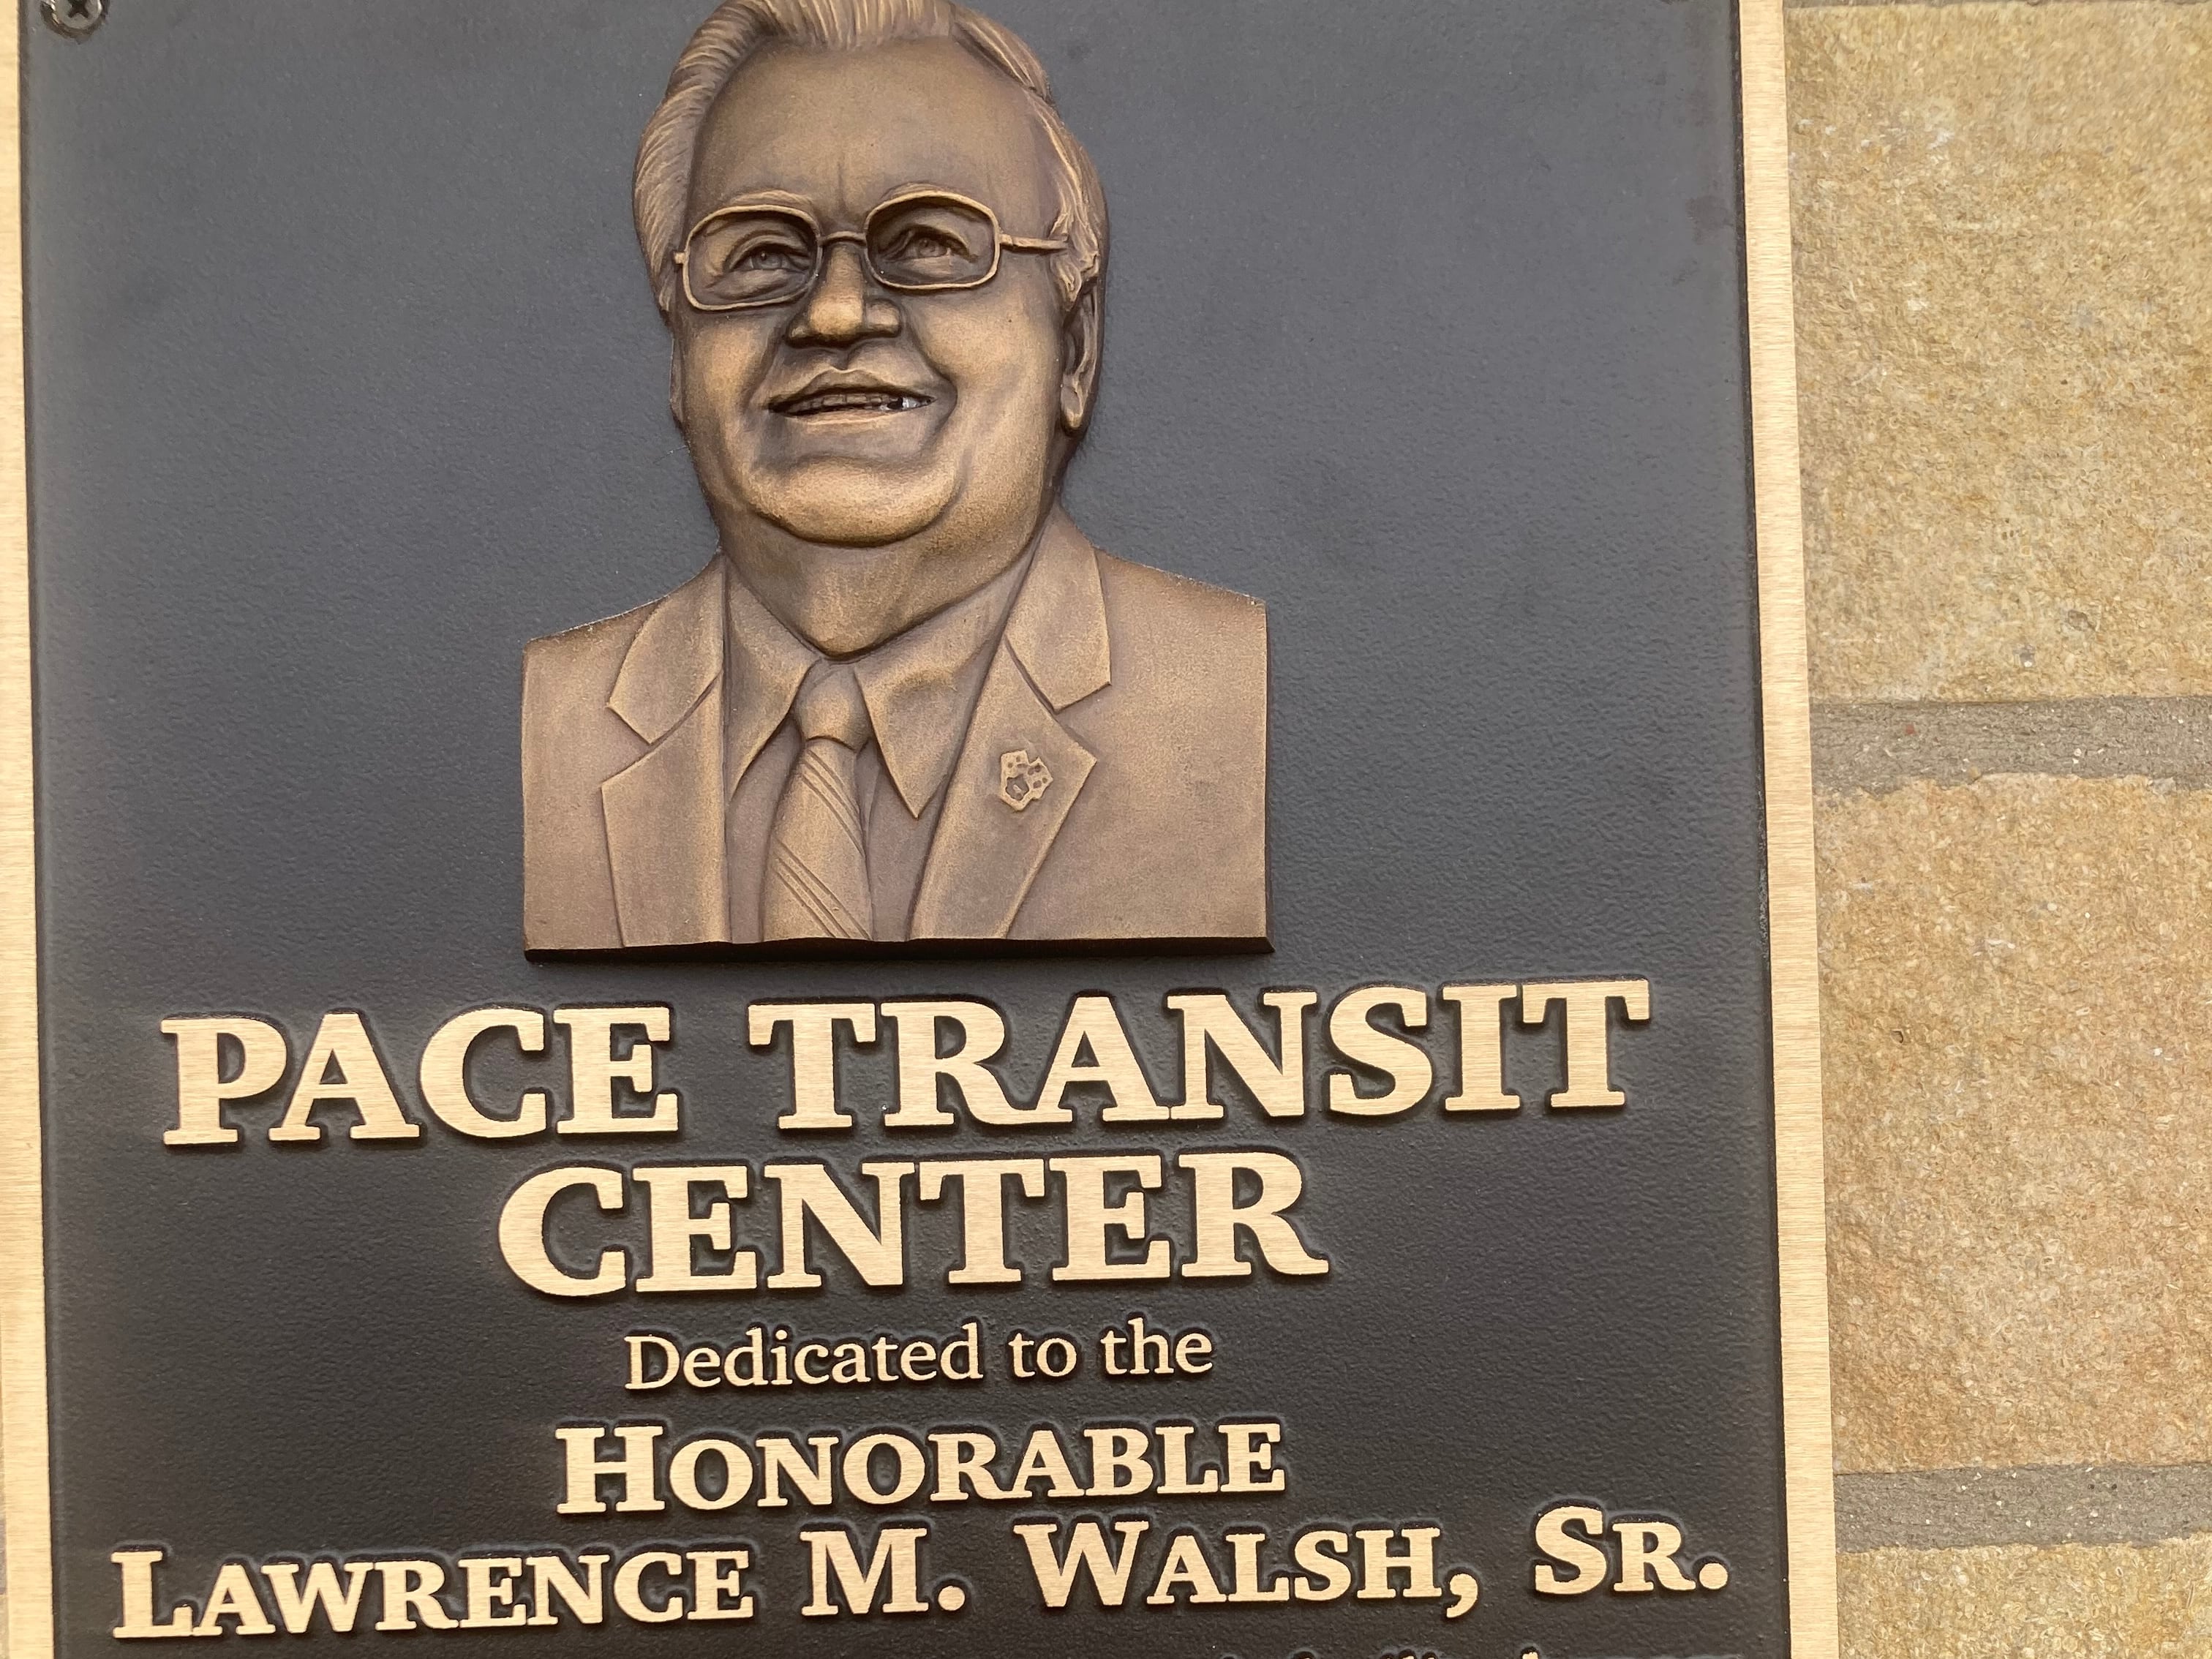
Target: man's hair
(739,28)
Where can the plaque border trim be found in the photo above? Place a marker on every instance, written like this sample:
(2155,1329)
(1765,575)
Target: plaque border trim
(24,1472)
(1794,979)
(1792,937)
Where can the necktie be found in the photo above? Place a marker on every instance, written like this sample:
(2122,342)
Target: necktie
(816,881)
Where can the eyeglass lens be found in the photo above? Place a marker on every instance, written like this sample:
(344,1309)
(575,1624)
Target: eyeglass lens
(765,256)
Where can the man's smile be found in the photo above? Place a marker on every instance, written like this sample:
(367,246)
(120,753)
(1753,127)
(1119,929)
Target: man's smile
(846,395)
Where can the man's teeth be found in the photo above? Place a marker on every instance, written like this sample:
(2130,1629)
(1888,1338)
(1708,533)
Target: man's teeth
(827,403)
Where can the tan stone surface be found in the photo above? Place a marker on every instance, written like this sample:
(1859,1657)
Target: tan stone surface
(2071,1601)
(2017,988)
(2003,218)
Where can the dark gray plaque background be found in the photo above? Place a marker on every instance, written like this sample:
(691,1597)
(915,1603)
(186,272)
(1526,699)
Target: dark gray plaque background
(1424,325)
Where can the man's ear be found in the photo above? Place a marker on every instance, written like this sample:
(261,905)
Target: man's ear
(676,380)
(1082,339)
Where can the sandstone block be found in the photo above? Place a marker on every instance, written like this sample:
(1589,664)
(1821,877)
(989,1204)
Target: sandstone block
(2004,222)
(2068,1601)
(2017,1008)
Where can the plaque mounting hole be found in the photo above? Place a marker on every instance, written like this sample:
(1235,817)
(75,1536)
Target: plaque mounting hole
(74,19)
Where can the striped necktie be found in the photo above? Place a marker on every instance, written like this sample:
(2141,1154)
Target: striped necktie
(816,881)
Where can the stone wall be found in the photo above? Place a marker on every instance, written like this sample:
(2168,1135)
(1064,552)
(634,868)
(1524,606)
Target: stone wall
(2003,218)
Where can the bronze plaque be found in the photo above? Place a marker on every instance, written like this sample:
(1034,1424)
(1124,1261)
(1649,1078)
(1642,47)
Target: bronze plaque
(1116,959)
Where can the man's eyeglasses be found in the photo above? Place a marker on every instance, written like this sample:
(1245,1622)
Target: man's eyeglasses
(922,242)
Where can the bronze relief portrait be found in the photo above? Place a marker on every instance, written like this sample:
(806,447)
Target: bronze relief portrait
(907,698)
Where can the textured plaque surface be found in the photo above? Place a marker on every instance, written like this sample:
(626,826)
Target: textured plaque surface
(1425,326)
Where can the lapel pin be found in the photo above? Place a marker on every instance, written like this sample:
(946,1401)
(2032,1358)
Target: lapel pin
(1023,778)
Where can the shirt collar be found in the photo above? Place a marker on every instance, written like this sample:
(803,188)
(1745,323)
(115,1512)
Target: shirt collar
(921,688)
(767,662)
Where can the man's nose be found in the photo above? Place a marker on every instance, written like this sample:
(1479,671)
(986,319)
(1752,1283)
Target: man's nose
(846,306)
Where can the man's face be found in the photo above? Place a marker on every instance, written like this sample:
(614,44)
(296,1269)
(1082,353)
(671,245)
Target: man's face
(858,414)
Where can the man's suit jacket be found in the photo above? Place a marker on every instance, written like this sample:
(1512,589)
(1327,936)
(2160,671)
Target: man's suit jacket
(1144,694)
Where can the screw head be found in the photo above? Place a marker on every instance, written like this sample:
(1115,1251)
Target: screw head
(74,19)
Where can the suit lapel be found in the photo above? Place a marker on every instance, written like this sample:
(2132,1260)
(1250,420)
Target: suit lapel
(988,850)
(665,811)
(986,853)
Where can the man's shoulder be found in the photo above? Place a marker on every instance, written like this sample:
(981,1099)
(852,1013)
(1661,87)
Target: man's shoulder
(1157,609)
(1188,660)
(572,741)
(676,634)
(1169,838)
(586,651)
